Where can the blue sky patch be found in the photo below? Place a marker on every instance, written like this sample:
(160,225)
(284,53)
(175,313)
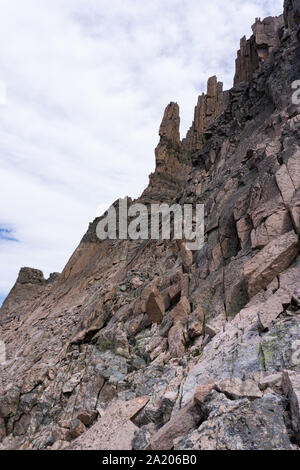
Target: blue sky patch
(6,235)
(2,298)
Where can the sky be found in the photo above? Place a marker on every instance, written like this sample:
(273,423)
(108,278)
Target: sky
(83,87)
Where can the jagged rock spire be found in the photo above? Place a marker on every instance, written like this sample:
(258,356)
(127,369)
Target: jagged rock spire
(172,165)
(254,51)
(209,106)
(169,133)
(227,316)
(169,128)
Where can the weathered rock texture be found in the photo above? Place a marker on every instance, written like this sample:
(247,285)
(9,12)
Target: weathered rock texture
(291,13)
(172,165)
(209,106)
(254,51)
(211,337)
(27,290)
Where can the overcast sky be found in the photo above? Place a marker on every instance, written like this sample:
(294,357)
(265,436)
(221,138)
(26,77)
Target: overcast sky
(83,87)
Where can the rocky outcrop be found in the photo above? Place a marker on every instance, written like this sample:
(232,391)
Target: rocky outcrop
(172,164)
(169,128)
(114,430)
(239,425)
(291,13)
(155,306)
(254,51)
(209,107)
(271,261)
(235,388)
(187,419)
(30,276)
(27,289)
(210,337)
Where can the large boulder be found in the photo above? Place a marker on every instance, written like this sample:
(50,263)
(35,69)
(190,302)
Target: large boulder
(239,425)
(270,262)
(176,340)
(181,311)
(114,430)
(155,306)
(235,388)
(184,421)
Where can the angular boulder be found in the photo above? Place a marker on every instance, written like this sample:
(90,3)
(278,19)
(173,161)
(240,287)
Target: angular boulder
(176,340)
(184,421)
(270,261)
(202,392)
(181,312)
(87,417)
(235,388)
(114,430)
(239,425)
(285,184)
(155,306)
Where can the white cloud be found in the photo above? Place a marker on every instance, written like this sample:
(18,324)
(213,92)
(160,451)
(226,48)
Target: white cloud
(87,82)
(3,98)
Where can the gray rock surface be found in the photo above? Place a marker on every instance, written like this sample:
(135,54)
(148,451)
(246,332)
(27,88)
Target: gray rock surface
(220,332)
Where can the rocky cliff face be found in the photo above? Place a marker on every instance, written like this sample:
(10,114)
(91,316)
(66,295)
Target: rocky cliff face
(209,107)
(254,51)
(166,347)
(172,165)
(27,290)
(291,13)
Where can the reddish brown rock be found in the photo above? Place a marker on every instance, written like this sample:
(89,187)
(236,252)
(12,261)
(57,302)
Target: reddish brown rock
(84,339)
(273,227)
(76,428)
(195,328)
(114,430)
(172,167)
(254,51)
(186,255)
(169,128)
(270,261)
(202,392)
(141,303)
(271,310)
(183,422)
(155,307)
(236,388)
(61,434)
(210,331)
(244,227)
(28,287)
(171,295)
(209,106)
(87,417)
(271,381)
(176,340)
(285,184)
(185,282)
(181,312)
